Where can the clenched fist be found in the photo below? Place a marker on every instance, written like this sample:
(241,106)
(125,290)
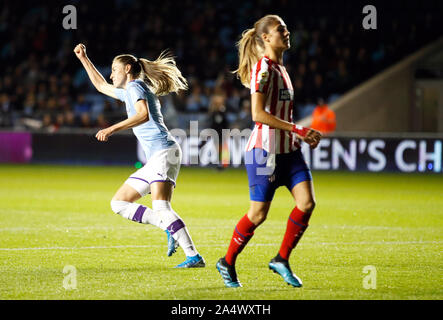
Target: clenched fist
(312,138)
(80,50)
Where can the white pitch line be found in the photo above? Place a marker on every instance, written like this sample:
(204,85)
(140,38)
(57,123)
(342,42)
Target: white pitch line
(222,244)
(269,226)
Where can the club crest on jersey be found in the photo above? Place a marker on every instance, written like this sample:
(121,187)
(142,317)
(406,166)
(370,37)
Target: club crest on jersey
(263,77)
(286,94)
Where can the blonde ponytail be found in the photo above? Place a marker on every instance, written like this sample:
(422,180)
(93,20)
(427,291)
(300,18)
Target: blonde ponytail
(249,52)
(162,75)
(251,47)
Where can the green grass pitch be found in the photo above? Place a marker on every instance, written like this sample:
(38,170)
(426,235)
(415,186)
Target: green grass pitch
(55,216)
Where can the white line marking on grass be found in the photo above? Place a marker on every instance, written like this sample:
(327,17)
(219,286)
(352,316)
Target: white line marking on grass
(64,229)
(375,243)
(79,248)
(104,228)
(269,226)
(222,244)
(357,227)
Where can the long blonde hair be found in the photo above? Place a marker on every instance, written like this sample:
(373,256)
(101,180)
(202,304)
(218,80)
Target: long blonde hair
(161,75)
(251,47)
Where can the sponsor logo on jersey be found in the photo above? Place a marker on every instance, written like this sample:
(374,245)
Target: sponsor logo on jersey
(263,77)
(286,94)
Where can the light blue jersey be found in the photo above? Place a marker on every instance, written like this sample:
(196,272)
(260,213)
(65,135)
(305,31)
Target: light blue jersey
(153,134)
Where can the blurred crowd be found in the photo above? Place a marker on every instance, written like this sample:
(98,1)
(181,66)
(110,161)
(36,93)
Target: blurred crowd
(43,85)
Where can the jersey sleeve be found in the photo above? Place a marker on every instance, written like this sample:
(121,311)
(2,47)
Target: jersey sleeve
(260,77)
(135,93)
(120,93)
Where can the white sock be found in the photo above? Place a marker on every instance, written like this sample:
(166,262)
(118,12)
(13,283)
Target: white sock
(136,212)
(171,220)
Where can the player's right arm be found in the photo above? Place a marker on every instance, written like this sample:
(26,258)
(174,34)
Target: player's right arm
(96,78)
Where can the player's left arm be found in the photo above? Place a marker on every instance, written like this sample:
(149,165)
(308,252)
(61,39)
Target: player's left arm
(142,116)
(259,114)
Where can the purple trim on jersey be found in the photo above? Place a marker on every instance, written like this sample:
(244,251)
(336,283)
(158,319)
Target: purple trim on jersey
(139,179)
(139,214)
(175,226)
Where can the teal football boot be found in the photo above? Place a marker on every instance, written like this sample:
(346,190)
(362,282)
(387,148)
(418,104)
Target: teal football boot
(196,261)
(172,244)
(228,274)
(283,269)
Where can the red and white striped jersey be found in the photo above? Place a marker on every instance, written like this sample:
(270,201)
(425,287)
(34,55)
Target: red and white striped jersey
(272,79)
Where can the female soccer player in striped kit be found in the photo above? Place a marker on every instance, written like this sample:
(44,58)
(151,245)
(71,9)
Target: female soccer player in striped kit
(273,156)
(138,82)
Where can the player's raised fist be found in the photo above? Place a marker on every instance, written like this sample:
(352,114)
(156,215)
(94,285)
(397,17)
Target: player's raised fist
(80,50)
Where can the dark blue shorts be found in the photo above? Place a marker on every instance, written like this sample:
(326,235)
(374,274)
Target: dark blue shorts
(290,169)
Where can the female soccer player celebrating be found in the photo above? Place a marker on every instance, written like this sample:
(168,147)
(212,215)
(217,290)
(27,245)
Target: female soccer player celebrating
(138,82)
(273,156)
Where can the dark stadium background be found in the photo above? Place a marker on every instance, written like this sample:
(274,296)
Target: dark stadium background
(44,89)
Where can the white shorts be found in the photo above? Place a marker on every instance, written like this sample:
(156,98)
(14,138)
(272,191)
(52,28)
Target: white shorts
(163,165)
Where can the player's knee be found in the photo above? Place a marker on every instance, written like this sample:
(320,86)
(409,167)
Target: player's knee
(118,206)
(257,216)
(307,205)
